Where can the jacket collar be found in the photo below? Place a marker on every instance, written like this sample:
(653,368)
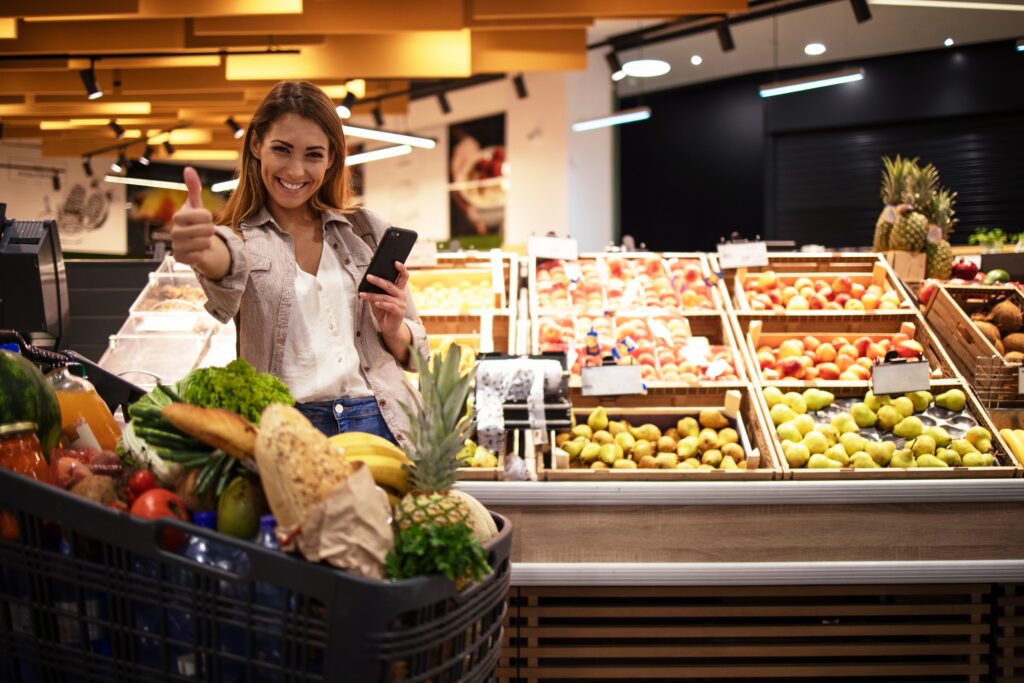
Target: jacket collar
(263,217)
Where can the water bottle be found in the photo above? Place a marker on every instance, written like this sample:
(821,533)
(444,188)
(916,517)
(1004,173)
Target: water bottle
(268,621)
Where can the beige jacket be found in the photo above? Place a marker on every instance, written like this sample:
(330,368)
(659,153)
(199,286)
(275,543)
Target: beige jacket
(260,288)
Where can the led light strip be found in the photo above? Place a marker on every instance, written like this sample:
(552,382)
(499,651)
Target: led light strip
(618,118)
(387,136)
(952,4)
(146,182)
(801,84)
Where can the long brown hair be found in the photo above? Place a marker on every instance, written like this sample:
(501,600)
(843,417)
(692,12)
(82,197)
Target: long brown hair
(304,99)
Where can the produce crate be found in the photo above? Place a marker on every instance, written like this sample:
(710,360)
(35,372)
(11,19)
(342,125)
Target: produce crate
(486,332)
(1008,631)
(486,473)
(880,274)
(949,312)
(75,610)
(1006,465)
(758,330)
(663,407)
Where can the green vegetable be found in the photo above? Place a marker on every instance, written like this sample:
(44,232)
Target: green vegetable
(450,550)
(237,387)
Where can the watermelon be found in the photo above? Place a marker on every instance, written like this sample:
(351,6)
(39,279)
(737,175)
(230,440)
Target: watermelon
(25,395)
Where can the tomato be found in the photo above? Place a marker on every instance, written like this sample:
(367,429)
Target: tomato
(159,504)
(141,481)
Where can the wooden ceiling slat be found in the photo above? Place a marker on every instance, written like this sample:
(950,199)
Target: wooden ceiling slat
(55,8)
(600,9)
(8,28)
(160,9)
(345,17)
(502,51)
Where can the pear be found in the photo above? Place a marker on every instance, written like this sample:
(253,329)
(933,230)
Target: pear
(904,405)
(602,437)
(728,435)
(598,420)
(772,396)
(923,444)
(590,453)
(626,442)
(734,451)
(805,423)
(666,444)
(978,460)
(903,458)
(949,456)
(874,403)
(844,422)
(598,465)
(863,460)
(688,426)
(963,447)
(713,458)
(980,438)
(694,462)
(795,401)
(815,442)
(687,446)
(560,439)
(921,400)
(830,432)
(707,440)
(837,453)
(954,400)
(816,399)
(624,465)
(583,430)
(819,461)
(706,468)
(941,436)
(881,451)
(617,427)
(689,464)
(797,455)
(609,453)
(673,433)
(649,432)
(713,419)
(728,463)
(929,460)
(666,461)
(909,428)
(862,415)
(574,447)
(647,463)
(853,442)
(888,418)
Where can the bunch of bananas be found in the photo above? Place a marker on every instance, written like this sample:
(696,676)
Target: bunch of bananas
(385,460)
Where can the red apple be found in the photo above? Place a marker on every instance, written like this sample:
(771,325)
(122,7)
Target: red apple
(791,347)
(766,360)
(811,343)
(910,349)
(825,353)
(842,285)
(927,291)
(841,299)
(828,371)
(862,344)
(791,367)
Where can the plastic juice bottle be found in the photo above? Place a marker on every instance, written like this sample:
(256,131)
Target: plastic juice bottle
(85,421)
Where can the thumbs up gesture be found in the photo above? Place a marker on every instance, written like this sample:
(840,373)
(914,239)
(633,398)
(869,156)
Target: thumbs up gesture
(192,236)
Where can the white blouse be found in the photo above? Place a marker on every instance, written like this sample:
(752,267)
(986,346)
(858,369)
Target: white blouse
(320,360)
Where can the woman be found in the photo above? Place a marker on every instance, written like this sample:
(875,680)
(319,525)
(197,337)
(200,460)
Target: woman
(287,261)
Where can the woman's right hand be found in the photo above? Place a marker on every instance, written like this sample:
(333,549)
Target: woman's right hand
(193,239)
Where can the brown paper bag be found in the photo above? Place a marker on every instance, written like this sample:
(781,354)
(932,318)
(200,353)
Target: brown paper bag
(351,528)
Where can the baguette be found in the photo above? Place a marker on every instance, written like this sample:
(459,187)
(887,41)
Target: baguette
(215,427)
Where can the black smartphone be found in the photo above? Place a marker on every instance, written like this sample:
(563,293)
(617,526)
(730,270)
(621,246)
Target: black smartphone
(395,245)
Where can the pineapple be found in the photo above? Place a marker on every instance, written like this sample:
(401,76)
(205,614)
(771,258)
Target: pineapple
(910,230)
(939,255)
(894,176)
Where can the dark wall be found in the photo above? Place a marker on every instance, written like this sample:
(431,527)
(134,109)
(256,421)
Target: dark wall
(716,157)
(100,294)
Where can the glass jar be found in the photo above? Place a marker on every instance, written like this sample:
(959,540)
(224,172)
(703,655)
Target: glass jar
(20,452)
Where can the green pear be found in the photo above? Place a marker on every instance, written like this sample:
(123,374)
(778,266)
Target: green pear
(837,453)
(881,451)
(590,453)
(735,451)
(862,415)
(795,401)
(772,396)
(853,442)
(573,447)
(687,447)
(844,422)
(904,405)
(789,431)
(929,460)
(975,459)
(688,426)
(816,399)
(805,423)
(874,402)
(688,464)
(815,442)
(949,456)
(963,447)
(941,436)
(583,430)
(921,400)
(713,458)
(954,400)
(863,460)
(609,453)
(598,419)
(830,432)
(728,435)
(625,441)
(624,464)
(728,464)
(602,437)
(909,428)
(780,413)
(797,455)
(888,417)
(980,438)
(707,440)
(819,461)
(617,427)
(923,444)
(903,458)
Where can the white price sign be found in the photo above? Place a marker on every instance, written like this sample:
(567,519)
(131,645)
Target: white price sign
(423,254)
(612,380)
(900,378)
(565,248)
(743,254)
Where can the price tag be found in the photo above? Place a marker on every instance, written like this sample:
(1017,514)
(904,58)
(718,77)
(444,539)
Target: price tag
(743,254)
(900,377)
(565,248)
(612,380)
(423,254)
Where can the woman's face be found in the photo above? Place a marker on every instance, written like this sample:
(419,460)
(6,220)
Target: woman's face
(294,158)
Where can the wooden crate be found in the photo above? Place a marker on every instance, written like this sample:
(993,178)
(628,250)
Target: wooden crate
(918,633)
(492,332)
(949,313)
(756,330)
(663,407)
(488,473)
(1008,631)
(799,262)
(880,274)
(1007,465)
(502,266)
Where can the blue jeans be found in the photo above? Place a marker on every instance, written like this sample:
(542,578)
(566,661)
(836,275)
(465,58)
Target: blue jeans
(347,415)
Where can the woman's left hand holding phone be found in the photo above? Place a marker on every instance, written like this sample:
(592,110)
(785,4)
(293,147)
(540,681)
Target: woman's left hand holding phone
(389,310)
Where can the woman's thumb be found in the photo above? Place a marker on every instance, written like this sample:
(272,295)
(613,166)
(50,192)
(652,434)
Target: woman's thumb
(195,188)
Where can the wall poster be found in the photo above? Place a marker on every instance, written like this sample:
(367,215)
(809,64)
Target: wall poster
(478,181)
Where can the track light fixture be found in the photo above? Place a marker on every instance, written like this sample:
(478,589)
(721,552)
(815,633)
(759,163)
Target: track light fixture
(442,99)
(169,148)
(147,155)
(236,130)
(520,84)
(92,88)
(56,182)
(117,128)
(725,36)
(87,166)
(121,165)
(378,117)
(613,62)
(345,108)
(861,10)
